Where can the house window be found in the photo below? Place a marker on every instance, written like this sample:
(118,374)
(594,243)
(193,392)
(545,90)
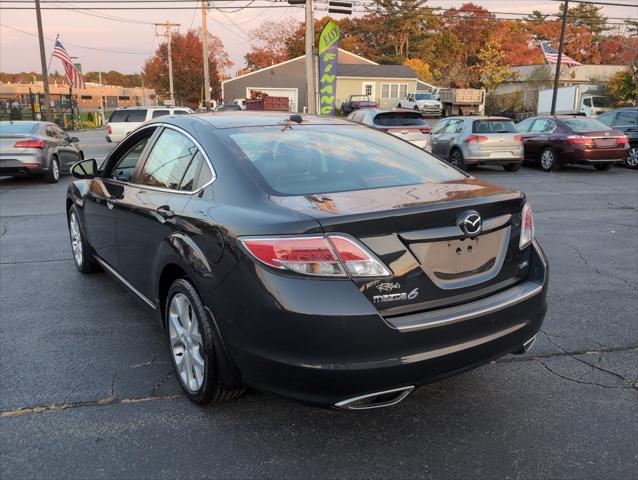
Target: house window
(368,90)
(123,97)
(87,97)
(394,90)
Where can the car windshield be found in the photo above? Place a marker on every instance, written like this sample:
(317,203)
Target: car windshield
(305,160)
(137,115)
(585,124)
(17,128)
(601,102)
(399,119)
(423,96)
(494,125)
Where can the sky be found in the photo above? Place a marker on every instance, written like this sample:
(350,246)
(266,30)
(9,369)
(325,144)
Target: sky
(130,42)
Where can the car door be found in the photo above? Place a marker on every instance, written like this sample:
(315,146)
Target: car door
(523,128)
(535,137)
(449,136)
(68,154)
(151,204)
(107,190)
(435,134)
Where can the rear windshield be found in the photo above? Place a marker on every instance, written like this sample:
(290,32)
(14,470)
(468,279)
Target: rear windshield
(305,160)
(400,119)
(137,115)
(423,96)
(584,124)
(359,98)
(17,128)
(493,126)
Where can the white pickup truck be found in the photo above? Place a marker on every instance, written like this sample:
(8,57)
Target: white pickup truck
(424,102)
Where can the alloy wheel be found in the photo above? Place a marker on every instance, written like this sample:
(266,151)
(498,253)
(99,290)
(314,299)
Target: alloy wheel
(456,159)
(186,342)
(55,169)
(632,159)
(547,159)
(76,239)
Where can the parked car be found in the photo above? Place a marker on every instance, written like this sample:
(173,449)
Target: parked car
(625,119)
(552,141)
(37,148)
(126,119)
(227,107)
(405,124)
(354,102)
(424,102)
(309,257)
(471,141)
(241,102)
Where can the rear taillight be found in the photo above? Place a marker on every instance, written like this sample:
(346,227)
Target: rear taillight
(425,130)
(476,138)
(330,256)
(527,227)
(581,140)
(518,138)
(30,144)
(108,130)
(622,140)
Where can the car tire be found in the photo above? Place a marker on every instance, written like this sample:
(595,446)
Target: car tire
(456,159)
(548,161)
(53,174)
(416,108)
(603,167)
(399,106)
(632,158)
(82,251)
(512,167)
(191,342)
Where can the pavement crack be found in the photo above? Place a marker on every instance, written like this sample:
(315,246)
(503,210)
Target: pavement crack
(152,361)
(161,382)
(578,381)
(564,353)
(27,262)
(3,230)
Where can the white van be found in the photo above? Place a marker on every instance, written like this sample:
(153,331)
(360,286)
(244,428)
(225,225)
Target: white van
(124,120)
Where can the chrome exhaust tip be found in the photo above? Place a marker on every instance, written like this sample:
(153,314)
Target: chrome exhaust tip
(385,398)
(526,347)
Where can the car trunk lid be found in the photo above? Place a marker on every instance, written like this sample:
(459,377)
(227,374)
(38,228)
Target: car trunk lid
(413,230)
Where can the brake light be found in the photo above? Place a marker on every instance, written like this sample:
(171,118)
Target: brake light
(622,140)
(108,130)
(527,227)
(330,256)
(518,138)
(30,144)
(476,138)
(580,140)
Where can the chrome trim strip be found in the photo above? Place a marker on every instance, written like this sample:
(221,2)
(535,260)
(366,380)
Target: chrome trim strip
(453,231)
(169,190)
(114,272)
(467,311)
(402,393)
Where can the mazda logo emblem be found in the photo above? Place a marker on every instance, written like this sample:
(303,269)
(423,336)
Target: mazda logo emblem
(470,223)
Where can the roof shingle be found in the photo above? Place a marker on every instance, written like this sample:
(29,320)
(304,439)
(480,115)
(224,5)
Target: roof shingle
(375,71)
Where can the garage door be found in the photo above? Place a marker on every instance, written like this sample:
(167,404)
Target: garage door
(291,93)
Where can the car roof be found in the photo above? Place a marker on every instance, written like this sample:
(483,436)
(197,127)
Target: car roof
(478,117)
(150,107)
(236,119)
(376,111)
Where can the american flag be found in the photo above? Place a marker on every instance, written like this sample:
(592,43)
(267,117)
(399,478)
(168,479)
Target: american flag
(551,55)
(72,73)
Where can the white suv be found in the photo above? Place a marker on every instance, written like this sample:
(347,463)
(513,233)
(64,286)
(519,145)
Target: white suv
(124,120)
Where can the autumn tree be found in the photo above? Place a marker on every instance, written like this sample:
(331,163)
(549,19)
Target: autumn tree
(536,17)
(421,69)
(492,67)
(114,77)
(269,43)
(188,71)
(622,87)
(587,15)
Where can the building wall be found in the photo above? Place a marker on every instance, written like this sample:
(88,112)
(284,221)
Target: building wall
(354,86)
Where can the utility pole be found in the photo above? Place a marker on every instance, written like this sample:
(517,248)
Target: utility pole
(43,62)
(205,57)
(310,59)
(168,35)
(561,45)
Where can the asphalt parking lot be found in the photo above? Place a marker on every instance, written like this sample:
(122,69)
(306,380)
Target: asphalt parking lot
(87,389)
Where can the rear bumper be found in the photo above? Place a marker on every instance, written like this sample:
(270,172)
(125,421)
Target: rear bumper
(322,342)
(581,154)
(473,155)
(26,164)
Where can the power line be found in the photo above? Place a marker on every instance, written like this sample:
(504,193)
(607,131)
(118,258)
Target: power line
(611,4)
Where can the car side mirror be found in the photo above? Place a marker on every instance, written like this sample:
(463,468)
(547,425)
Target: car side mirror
(85,169)
(74,140)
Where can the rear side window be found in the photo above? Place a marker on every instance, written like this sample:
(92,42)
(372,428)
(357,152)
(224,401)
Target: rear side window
(627,118)
(493,126)
(314,159)
(585,124)
(181,112)
(399,119)
(137,115)
(439,127)
(160,113)
(169,161)
(455,126)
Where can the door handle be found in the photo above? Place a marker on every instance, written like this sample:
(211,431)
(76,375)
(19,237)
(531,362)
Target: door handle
(164,213)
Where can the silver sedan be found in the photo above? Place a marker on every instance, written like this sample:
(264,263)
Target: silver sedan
(468,141)
(36,148)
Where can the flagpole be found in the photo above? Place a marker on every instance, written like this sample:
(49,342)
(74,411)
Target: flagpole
(560,57)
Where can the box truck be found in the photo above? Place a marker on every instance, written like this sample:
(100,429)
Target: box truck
(587,100)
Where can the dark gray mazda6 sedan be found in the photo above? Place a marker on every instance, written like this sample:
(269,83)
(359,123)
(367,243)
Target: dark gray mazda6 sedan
(309,257)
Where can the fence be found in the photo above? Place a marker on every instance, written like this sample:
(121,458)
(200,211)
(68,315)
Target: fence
(31,106)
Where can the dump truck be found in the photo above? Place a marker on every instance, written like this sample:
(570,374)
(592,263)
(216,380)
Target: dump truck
(264,102)
(462,101)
